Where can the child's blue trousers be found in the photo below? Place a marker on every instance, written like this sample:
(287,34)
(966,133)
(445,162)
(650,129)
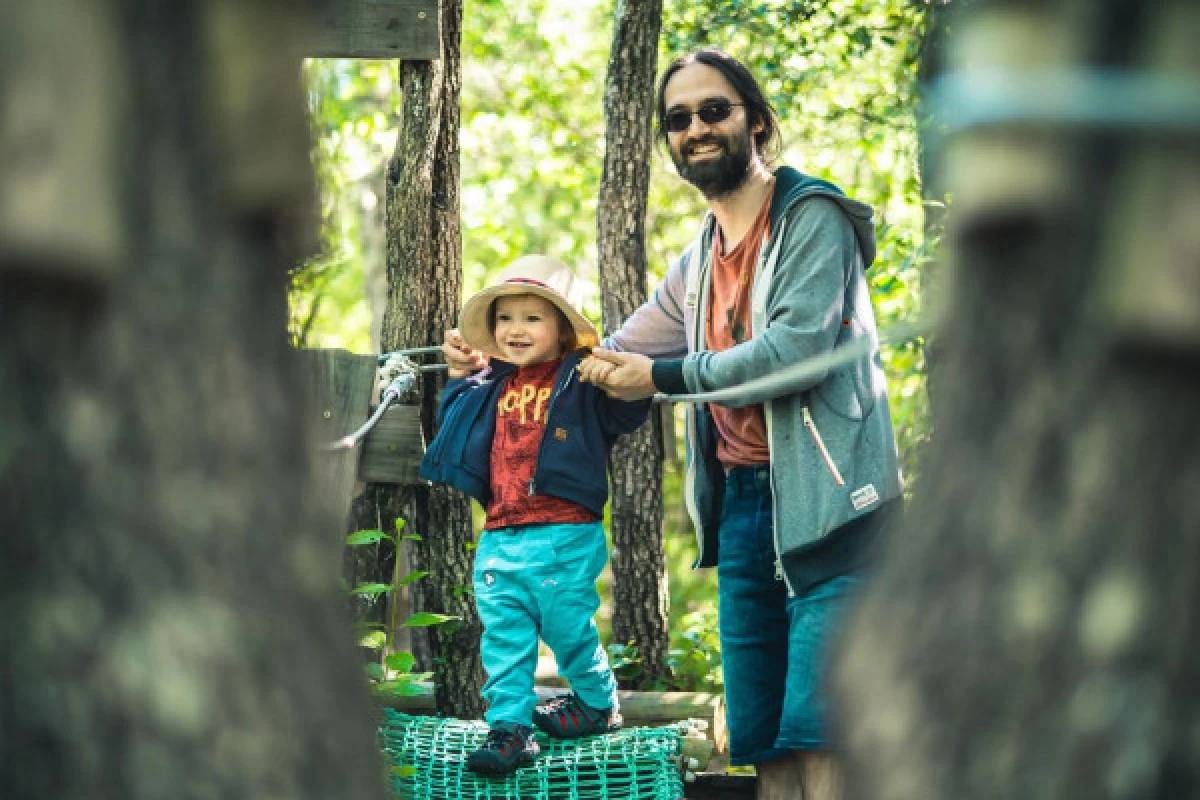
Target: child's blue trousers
(540,580)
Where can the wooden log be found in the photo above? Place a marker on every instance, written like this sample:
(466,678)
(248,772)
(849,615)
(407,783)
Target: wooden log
(340,388)
(393,449)
(405,29)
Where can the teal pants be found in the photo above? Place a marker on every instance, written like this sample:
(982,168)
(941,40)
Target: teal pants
(540,580)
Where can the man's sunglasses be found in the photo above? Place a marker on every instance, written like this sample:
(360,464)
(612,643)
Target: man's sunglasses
(710,114)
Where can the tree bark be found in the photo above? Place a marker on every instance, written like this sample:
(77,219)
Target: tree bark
(640,596)
(424,264)
(171,623)
(1030,632)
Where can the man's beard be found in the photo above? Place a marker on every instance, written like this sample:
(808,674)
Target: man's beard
(720,176)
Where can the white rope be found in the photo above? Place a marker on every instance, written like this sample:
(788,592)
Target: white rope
(803,372)
(401,374)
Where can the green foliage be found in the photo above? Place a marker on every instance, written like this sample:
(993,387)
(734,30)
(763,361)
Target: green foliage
(423,619)
(393,676)
(366,537)
(695,652)
(352,106)
(401,662)
(694,656)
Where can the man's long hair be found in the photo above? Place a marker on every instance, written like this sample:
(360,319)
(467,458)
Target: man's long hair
(758,108)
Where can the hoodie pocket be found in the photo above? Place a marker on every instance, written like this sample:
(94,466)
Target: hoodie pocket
(847,391)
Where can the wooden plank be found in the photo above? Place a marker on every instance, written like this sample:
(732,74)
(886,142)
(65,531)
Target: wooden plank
(406,29)
(339,395)
(393,449)
(651,707)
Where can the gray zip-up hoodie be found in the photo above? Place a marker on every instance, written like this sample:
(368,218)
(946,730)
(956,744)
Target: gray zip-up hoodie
(833,451)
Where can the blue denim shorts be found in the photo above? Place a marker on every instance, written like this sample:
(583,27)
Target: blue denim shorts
(773,648)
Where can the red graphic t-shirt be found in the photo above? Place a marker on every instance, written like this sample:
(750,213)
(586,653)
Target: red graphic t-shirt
(520,424)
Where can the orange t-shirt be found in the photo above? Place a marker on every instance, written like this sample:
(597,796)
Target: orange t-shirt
(743,431)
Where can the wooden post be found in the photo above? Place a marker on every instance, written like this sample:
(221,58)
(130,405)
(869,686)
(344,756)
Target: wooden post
(62,132)
(340,391)
(392,451)
(405,29)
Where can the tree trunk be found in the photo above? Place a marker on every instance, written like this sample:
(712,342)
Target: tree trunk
(170,618)
(1031,632)
(424,263)
(934,39)
(638,559)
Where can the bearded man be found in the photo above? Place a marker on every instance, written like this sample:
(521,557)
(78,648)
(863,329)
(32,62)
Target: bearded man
(787,487)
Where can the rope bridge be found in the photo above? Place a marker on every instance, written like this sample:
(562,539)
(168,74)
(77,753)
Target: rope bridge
(427,757)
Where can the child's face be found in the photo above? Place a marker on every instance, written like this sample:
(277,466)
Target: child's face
(527,329)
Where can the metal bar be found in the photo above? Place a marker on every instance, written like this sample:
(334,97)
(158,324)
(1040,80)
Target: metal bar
(412,351)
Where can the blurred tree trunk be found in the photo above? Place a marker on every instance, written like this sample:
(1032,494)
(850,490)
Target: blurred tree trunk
(170,618)
(424,264)
(934,39)
(640,596)
(1031,632)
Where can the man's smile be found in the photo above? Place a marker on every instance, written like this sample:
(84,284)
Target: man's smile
(704,149)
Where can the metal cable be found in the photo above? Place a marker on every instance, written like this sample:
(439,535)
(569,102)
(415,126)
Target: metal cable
(401,374)
(410,352)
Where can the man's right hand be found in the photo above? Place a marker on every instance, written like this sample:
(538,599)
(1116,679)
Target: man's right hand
(461,358)
(624,376)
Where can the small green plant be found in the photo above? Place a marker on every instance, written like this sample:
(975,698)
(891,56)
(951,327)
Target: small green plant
(694,656)
(393,674)
(695,652)
(626,663)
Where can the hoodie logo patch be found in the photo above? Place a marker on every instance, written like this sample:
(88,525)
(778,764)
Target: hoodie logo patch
(861,498)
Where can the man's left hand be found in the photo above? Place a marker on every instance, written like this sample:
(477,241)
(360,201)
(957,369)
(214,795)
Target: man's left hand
(625,376)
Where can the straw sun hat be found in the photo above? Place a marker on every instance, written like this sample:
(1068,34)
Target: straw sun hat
(538,275)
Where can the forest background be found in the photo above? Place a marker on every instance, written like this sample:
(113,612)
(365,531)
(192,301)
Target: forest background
(842,76)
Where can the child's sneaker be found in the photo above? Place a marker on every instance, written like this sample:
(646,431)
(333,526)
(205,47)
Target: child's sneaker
(568,717)
(506,748)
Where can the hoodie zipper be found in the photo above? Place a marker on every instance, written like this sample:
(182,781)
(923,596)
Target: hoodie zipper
(816,435)
(542,444)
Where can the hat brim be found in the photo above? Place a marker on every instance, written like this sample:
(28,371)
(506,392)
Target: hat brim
(473,322)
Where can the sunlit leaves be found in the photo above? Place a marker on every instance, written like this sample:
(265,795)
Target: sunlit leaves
(423,619)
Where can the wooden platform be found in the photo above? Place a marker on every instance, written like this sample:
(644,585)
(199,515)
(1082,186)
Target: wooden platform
(720,786)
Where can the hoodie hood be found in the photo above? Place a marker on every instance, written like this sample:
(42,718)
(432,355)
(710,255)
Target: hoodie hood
(792,185)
